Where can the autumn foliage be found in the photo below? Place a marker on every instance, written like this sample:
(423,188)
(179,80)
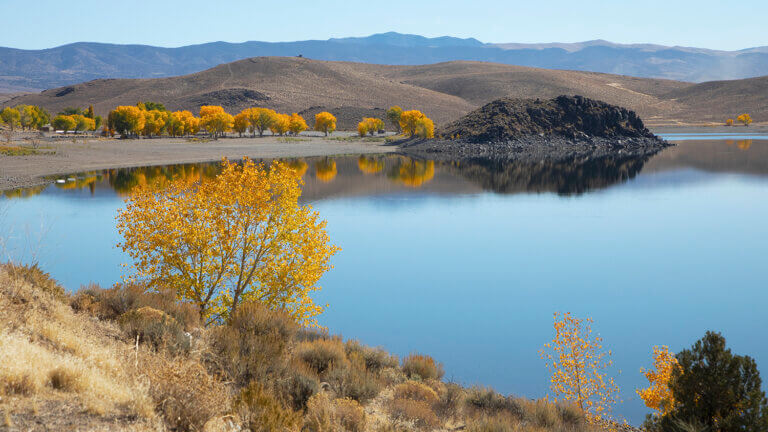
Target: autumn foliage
(744,119)
(370,125)
(238,237)
(325,122)
(415,123)
(658,395)
(579,367)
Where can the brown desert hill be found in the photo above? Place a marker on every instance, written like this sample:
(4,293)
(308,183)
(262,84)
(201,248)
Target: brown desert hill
(443,91)
(733,97)
(282,83)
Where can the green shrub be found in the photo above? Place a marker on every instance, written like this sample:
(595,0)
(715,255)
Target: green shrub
(39,279)
(260,411)
(321,355)
(717,389)
(155,327)
(253,345)
(422,366)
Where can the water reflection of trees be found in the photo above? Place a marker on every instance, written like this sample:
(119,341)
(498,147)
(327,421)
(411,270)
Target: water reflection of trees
(370,165)
(24,192)
(325,170)
(125,180)
(413,173)
(744,144)
(569,177)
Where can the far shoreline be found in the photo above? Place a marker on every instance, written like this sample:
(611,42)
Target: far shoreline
(60,156)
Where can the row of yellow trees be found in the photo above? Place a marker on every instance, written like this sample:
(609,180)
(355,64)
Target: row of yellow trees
(34,117)
(411,122)
(154,120)
(24,116)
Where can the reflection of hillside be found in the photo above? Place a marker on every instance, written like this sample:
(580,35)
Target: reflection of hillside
(573,177)
(736,156)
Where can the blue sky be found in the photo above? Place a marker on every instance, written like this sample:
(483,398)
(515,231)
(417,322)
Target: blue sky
(704,23)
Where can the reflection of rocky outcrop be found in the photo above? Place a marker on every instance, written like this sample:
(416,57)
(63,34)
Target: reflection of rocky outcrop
(572,177)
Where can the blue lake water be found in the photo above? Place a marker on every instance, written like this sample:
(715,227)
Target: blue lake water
(468,262)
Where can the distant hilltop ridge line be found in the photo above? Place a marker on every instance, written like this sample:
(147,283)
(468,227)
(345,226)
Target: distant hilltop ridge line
(442,91)
(35,70)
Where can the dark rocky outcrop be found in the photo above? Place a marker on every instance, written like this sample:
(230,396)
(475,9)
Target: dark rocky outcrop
(568,116)
(560,129)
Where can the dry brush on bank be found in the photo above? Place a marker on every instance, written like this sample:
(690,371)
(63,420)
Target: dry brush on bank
(73,361)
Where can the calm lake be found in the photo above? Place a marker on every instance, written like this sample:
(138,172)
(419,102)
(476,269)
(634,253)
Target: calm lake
(468,262)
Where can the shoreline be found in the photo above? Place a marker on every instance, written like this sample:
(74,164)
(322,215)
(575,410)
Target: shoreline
(62,156)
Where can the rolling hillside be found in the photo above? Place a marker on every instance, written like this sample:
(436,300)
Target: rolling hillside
(34,70)
(444,91)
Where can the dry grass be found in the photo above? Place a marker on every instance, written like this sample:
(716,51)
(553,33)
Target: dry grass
(11,150)
(261,411)
(66,370)
(326,415)
(49,349)
(184,393)
(415,391)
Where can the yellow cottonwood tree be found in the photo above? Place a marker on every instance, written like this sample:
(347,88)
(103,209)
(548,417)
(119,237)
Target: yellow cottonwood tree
(215,120)
(414,123)
(425,128)
(579,367)
(297,124)
(281,124)
(126,120)
(241,236)
(658,396)
(325,122)
(362,128)
(393,115)
(744,119)
(241,123)
(260,119)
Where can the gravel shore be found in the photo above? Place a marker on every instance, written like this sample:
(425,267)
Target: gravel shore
(55,156)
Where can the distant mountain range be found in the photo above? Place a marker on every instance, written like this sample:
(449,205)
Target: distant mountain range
(34,70)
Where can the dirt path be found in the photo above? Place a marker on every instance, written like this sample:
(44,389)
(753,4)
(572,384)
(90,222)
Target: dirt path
(62,156)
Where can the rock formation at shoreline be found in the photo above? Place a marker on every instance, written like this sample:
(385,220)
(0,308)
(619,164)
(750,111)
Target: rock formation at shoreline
(562,128)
